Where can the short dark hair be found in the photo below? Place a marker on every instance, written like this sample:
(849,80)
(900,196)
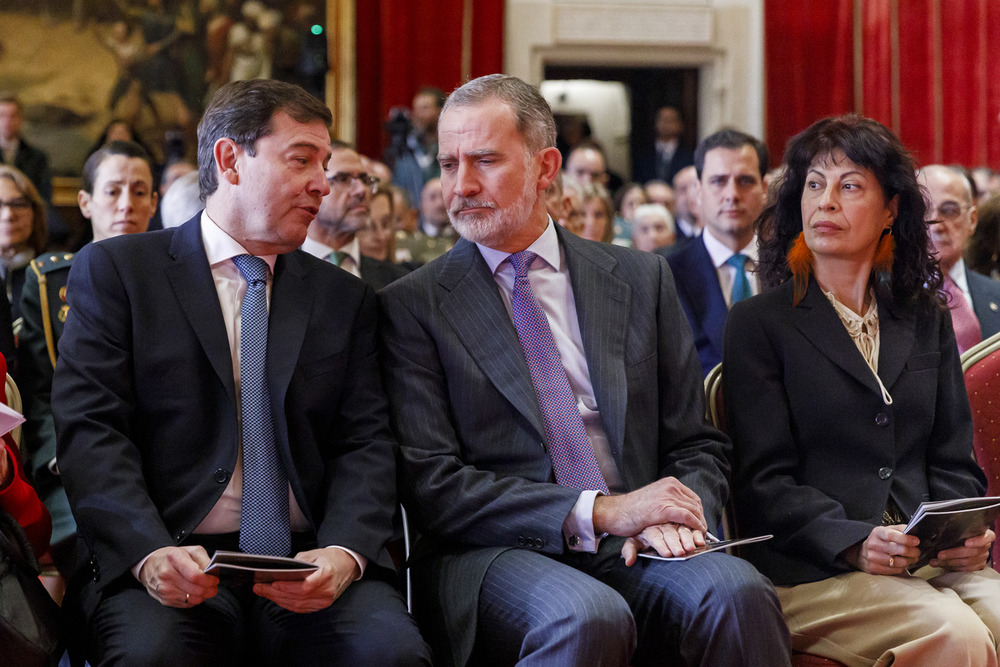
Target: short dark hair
(129,149)
(532,113)
(734,140)
(916,276)
(242,111)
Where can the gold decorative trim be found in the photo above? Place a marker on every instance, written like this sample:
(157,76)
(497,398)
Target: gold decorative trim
(341,78)
(859,57)
(938,82)
(894,65)
(467,41)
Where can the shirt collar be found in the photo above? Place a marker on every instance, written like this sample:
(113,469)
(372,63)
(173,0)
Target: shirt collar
(322,250)
(720,253)
(957,274)
(221,247)
(545,246)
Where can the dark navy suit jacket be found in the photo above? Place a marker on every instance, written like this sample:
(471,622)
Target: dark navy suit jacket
(985,302)
(697,283)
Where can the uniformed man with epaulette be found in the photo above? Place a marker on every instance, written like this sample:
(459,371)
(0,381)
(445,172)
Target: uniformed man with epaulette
(118,198)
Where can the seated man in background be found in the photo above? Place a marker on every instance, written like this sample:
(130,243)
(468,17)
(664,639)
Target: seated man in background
(717,269)
(118,197)
(333,234)
(216,389)
(549,407)
(974,299)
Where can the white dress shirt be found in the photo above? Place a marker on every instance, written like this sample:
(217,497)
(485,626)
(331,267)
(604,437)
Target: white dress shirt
(720,254)
(231,286)
(550,282)
(351,263)
(957,274)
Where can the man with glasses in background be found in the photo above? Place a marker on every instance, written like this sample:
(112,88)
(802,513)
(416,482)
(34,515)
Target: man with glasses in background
(974,299)
(342,214)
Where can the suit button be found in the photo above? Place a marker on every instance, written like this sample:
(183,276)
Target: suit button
(221,476)
(885,473)
(881,419)
(539,543)
(520,540)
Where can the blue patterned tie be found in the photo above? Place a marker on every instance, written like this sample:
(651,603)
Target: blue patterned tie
(570,449)
(741,285)
(264,518)
(337,257)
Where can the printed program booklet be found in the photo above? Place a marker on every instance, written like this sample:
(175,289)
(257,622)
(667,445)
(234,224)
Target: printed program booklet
(948,523)
(244,568)
(710,546)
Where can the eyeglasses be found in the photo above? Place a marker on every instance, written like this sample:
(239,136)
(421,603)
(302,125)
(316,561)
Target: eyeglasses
(343,180)
(949,211)
(15,205)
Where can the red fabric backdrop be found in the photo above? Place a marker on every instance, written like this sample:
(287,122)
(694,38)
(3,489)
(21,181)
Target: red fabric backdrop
(925,71)
(405,44)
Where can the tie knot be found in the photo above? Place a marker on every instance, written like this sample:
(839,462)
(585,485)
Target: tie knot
(254,269)
(521,261)
(738,262)
(337,257)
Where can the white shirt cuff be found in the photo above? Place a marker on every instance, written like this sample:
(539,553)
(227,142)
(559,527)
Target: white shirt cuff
(362,561)
(578,528)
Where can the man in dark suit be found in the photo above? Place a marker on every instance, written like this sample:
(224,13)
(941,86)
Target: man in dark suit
(550,425)
(216,390)
(716,269)
(667,155)
(333,235)
(974,299)
(31,161)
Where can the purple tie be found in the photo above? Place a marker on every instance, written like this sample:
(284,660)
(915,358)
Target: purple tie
(963,318)
(570,449)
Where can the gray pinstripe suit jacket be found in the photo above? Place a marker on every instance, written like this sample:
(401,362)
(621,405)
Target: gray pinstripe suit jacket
(476,475)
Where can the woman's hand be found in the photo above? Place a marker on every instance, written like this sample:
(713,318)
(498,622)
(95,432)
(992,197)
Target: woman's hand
(970,557)
(888,550)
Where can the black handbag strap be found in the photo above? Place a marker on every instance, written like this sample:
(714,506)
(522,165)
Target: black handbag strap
(14,544)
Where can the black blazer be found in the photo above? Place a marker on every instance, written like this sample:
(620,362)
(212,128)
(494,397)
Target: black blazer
(472,439)
(145,404)
(701,297)
(649,167)
(817,453)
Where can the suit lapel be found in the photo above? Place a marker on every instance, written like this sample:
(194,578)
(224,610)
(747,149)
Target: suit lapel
(819,322)
(190,276)
(896,336)
(602,307)
(473,307)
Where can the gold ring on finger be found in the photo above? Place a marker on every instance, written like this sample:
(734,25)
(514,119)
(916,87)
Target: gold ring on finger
(892,561)
(187,597)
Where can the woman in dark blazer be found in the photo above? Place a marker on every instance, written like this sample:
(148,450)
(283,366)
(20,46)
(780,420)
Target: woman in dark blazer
(846,405)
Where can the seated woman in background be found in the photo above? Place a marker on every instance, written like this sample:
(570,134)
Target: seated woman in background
(22,231)
(847,408)
(628,198)
(598,213)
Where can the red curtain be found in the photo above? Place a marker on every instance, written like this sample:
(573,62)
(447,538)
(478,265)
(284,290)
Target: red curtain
(405,44)
(922,67)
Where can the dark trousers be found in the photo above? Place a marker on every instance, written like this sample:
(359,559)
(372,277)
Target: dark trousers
(591,609)
(367,625)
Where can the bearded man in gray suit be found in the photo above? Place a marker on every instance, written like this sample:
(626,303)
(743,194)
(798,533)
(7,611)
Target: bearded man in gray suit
(550,424)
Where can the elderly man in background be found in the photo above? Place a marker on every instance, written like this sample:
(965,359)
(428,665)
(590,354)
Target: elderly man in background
(974,299)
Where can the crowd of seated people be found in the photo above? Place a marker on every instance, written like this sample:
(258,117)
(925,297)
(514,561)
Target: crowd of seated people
(720,237)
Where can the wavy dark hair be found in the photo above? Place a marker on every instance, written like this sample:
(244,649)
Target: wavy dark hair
(916,276)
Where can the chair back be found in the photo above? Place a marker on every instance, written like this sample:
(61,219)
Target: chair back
(981,367)
(13,401)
